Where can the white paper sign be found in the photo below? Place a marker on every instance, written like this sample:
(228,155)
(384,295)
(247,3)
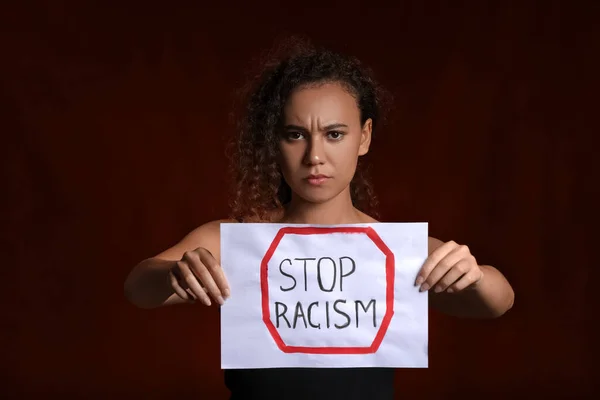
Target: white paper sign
(324,296)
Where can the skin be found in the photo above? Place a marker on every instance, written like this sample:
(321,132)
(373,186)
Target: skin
(323,134)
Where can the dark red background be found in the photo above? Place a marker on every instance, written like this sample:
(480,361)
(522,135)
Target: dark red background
(114,120)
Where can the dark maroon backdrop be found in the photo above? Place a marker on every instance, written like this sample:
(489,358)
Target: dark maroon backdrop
(114,120)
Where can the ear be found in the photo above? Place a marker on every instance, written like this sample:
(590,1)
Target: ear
(365,137)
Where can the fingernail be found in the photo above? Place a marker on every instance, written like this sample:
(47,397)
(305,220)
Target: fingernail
(424,287)
(449,290)
(419,281)
(207,302)
(220,300)
(226,293)
(437,289)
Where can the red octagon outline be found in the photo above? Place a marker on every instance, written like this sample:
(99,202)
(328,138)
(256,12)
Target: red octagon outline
(389,297)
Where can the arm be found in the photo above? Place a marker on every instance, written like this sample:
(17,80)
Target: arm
(488,297)
(148,285)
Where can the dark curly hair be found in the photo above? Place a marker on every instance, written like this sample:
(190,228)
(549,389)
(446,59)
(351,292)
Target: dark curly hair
(260,187)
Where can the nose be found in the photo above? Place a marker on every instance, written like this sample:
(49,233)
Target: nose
(314,152)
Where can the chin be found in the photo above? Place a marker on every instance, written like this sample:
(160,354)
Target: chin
(311,198)
(316,195)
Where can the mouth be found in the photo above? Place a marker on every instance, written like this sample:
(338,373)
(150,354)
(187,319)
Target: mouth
(317,179)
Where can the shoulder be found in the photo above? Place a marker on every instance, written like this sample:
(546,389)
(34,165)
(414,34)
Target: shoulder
(432,243)
(212,227)
(208,231)
(366,219)
(207,235)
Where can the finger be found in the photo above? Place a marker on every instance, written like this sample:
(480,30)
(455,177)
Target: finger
(185,287)
(179,290)
(434,258)
(443,266)
(203,274)
(452,276)
(468,279)
(190,279)
(216,272)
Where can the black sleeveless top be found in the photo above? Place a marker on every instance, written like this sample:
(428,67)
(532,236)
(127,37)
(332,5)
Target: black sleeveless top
(311,383)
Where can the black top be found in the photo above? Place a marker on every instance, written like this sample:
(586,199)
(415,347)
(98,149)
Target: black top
(311,383)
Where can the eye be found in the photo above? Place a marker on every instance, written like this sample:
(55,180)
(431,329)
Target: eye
(335,135)
(292,135)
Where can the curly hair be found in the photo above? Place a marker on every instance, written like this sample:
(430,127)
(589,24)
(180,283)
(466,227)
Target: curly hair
(260,187)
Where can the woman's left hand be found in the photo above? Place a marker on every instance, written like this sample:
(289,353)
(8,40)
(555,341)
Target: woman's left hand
(450,267)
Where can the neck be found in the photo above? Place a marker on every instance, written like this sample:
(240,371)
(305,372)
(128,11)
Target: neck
(338,210)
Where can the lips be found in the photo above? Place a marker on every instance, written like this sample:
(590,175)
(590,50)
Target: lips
(317,180)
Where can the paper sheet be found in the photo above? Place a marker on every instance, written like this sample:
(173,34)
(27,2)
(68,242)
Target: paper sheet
(324,296)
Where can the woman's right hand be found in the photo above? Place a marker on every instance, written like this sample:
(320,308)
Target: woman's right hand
(198,276)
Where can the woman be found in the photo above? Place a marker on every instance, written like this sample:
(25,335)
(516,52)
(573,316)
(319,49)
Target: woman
(309,120)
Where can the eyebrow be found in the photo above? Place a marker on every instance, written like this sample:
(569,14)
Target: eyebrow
(326,128)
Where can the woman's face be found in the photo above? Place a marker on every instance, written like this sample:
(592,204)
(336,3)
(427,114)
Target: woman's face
(321,141)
